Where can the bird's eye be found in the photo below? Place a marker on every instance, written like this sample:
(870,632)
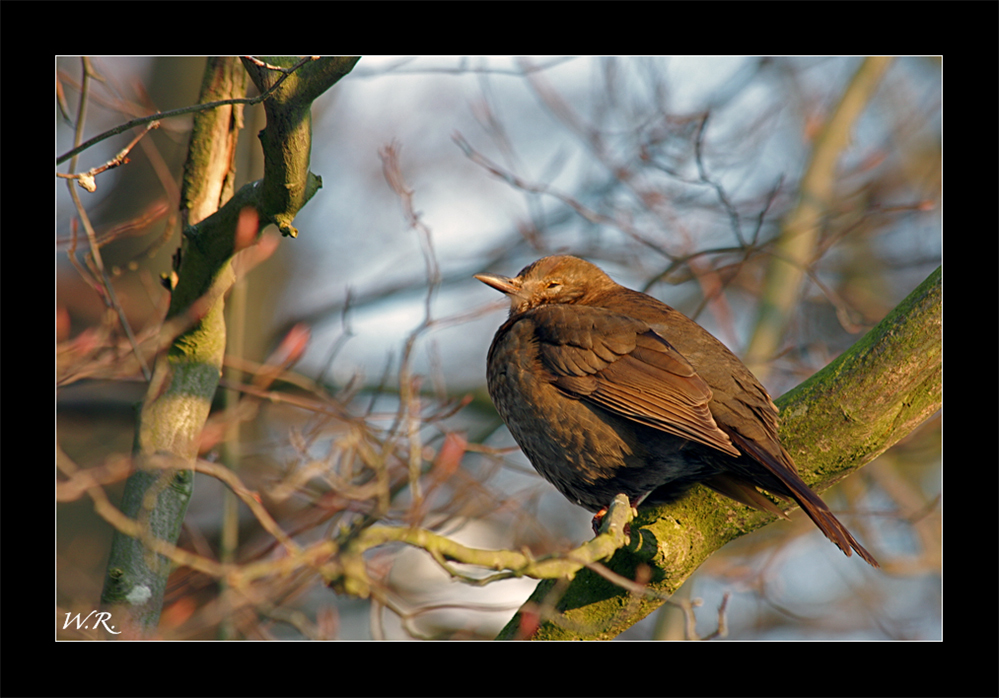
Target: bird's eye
(552,285)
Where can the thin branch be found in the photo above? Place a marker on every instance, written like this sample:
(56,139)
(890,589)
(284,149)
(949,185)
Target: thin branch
(121,128)
(588,214)
(86,179)
(108,296)
(354,577)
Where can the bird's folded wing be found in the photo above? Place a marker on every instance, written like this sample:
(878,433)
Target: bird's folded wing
(751,419)
(622,365)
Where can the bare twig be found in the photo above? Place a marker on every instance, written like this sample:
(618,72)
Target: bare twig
(108,295)
(86,179)
(121,128)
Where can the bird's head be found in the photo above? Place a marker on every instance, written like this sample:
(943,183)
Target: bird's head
(555,279)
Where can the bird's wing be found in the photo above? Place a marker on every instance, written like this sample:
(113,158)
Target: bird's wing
(622,365)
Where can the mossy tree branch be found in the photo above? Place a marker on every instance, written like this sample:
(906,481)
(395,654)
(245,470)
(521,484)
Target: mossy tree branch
(185,379)
(861,404)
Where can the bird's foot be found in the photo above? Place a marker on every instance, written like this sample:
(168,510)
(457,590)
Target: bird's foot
(598,518)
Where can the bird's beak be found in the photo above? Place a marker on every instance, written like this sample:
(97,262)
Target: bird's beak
(504,284)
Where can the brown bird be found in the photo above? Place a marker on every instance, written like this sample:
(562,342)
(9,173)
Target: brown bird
(609,390)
